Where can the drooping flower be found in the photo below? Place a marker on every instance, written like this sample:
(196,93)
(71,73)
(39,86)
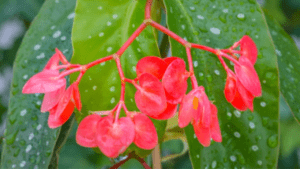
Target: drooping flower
(145,132)
(175,81)
(205,133)
(114,137)
(65,107)
(150,96)
(248,49)
(86,132)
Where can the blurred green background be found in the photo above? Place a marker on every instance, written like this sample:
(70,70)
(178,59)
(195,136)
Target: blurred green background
(15,19)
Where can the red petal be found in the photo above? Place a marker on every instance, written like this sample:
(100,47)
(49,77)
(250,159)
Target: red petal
(202,133)
(151,64)
(230,87)
(204,111)
(168,113)
(215,127)
(51,99)
(238,102)
(175,81)
(186,110)
(64,110)
(76,97)
(44,82)
(248,49)
(245,95)
(145,132)
(86,132)
(150,97)
(247,75)
(53,62)
(169,60)
(114,138)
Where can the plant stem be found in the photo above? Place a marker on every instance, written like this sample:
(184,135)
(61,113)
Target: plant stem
(191,67)
(148,9)
(156,160)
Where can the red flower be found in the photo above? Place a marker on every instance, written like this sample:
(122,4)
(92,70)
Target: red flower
(205,133)
(196,106)
(175,81)
(145,132)
(153,65)
(150,97)
(248,49)
(65,107)
(113,138)
(86,132)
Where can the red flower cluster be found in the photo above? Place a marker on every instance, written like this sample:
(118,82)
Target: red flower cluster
(243,85)
(159,100)
(57,100)
(113,137)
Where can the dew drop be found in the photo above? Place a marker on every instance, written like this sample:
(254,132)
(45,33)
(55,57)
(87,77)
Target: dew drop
(102,64)
(263,104)
(254,148)
(195,63)
(52,27)
(108,23)
(259,162)
(41,56)
(63,38)
(112,100)
(115,16)
(22,164)
(241,16)
(94,87)
(237,134)
(25,77)
(37,47)
(198,156)
(31,135)
(112,89)
(225,10)
(17,151)
(28,148)
(13,166)
(200,17)
(217,72)
(109,49)
(237,113)
(56,34)
(229,115)
(23,112)
(101,34)
(100,7)
(183,27)
(192,8)
(39,127)
(214,164)
(273,141)
(233,158)
(215,31)
(71,15)
(251,125)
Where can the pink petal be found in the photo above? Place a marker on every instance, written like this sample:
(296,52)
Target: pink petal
(44,82)
(230,87)
(248,49)
(61,56)
(238,102)
(114,138)
(175,81)
(202,133)
(150,97)
(168,113)
(245,95)
(247,75)
(86,132)
(53,62)
(145,132)
(169,60)
(186,110)
(215,127)
(51,99)
(151,64)
(204,107)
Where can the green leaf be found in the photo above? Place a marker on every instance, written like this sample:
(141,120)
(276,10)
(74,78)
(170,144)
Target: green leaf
(29,142)
(250,140)
(100,29)
(288,56)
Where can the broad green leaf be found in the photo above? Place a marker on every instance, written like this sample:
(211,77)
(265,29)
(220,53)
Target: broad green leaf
(250,140)
(29,142)
(100,29)
(288,56)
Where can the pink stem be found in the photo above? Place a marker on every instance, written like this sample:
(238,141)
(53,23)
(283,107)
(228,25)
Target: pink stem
(96,62)
(148,9)
(191,68)
(204,48)
(229,58)
(118,112)
(135,34)
(66,73)
(168,32)
(223,63)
